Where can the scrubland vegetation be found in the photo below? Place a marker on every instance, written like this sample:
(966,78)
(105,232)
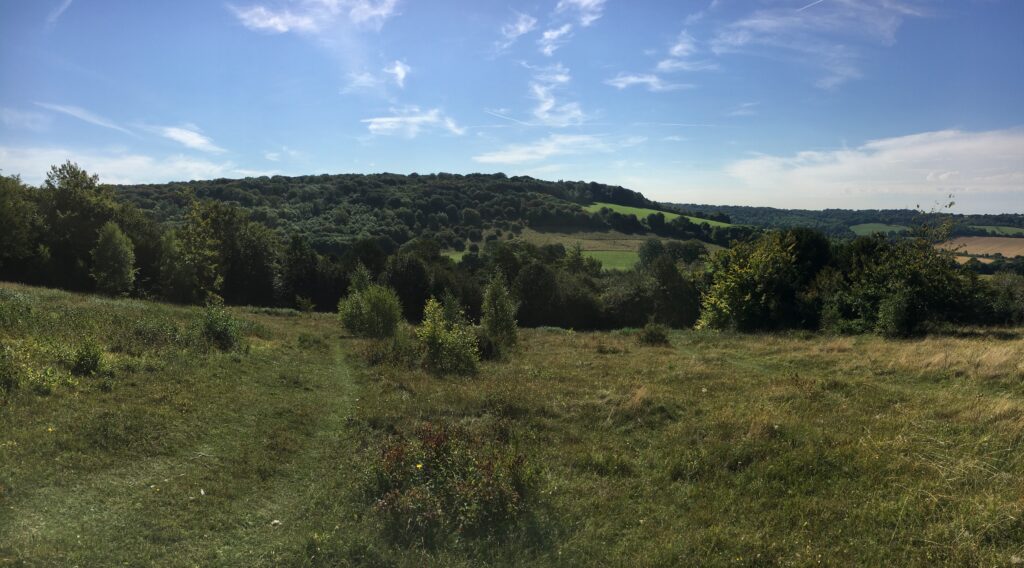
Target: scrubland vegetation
(142,433)
(789,399)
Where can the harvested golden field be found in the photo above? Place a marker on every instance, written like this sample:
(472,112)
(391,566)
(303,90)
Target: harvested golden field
(1007,246)
(964,259)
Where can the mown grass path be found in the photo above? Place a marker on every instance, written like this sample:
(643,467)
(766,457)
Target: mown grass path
(183,458)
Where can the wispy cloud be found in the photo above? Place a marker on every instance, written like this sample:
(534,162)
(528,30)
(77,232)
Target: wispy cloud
(555,145)
(113,166)
(652,82)
(261,18)
(26,120)
(277,155)
(824,34)
(930,163)
(190,137)
(510,32)
(680,55)
(399,70)
(744,109)
(312,16)
(85,116)
(409,122)
(57,12)
(588,11)
(554,38)
(550,111)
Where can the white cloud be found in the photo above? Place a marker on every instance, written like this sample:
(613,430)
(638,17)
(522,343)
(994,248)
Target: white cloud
(410,121)
(283,152)
(744,109)
(824,34)
(679,54)
(549,110)
(112,167)
(523,25)
(400,70)
(313,16)
(552,39)
(652,82)
(58,12)
(920,165)
(684,46)
(363,81)
(555,145)
(589,11)
(190,137)
(26,120)
(85,116)
(261,18)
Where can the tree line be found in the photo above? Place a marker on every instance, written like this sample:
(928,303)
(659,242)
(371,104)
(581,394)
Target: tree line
(75,233)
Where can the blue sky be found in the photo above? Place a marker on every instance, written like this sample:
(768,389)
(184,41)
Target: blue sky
(788,103)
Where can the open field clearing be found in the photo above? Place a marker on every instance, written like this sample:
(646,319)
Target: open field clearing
(963,259)
(642,213)
(1000,230)
(1007,246)
(793,449)
(615,250)
(871,228)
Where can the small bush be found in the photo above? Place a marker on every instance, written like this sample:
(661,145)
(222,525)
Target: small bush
(499,315)
(444,481)
(653,334)
(373,311)
(10,378)
(402,350)
(448,347)
(218,328)
(88,359)
(896,315)
(488,349)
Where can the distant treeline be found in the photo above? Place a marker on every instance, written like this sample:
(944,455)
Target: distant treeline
(75,233)
(837,222)
(334,211)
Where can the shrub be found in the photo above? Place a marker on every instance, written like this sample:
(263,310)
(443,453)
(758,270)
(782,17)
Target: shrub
(113,261)
(448,347)
(499,315)
(653,334)
(88,359)
(373,311)
(10,379)
(402,350)
(1007,298)
(218,328)
(896,315)
(444,481)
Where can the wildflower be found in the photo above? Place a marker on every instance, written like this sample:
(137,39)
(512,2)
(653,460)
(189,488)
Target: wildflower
(419,466)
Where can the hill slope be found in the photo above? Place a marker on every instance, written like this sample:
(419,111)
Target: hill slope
(762,449)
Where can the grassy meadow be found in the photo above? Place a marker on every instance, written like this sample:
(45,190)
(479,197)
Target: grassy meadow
(717,449)
(865,229)
(643,212)
(1000,229)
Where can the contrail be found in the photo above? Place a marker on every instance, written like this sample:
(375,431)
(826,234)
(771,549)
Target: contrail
(811,5)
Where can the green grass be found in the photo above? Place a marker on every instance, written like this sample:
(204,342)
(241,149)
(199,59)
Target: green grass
(871,228)
(1000,229)
(642,213)
(615,259)
(455,255)
(720,449)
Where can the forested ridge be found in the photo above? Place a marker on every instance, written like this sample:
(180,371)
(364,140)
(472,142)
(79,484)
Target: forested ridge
(837,222)
(302,243)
